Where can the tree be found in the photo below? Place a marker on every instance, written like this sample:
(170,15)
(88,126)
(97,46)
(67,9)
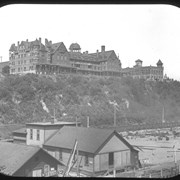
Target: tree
(6,70)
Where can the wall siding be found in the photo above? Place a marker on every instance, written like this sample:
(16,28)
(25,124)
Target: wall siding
(114,144)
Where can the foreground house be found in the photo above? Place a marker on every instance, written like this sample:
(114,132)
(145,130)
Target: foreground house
(23,160)
(99,150)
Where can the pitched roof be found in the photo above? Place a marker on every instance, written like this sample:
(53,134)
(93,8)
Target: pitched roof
(89,139)
(105,54)
(56,45)
(159,62)
(13,156)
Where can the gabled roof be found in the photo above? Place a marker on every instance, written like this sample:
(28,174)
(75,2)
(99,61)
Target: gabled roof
(13,156)
(101,55)
(56,45)
(89,139)
(159,62)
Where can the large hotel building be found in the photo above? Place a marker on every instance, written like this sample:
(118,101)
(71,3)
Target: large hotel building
(54,58)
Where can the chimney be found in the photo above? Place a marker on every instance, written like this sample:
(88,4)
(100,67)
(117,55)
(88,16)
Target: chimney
(50,42)
(97,53)
(86,52)
(18,43)
(40,40)
(102,48)
(26,40)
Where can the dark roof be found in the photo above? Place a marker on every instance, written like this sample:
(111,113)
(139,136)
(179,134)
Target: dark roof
(74,46)
(138,60)
(91,57)
(101,55)
(89,139)
(13,156)
(56,45)
(159,62)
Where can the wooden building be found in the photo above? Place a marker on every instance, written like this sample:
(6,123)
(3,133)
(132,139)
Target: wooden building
(39,132)
(98,149)
(54,58)
(19,136)
(23,160)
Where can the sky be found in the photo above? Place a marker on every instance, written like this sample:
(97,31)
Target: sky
(146,32)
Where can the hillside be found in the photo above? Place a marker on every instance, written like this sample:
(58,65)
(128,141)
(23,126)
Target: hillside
(31,98)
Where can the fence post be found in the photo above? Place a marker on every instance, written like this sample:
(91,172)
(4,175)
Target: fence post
(161,172)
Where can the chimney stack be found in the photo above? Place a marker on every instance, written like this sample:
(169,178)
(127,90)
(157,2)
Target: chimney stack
(97,53)
(86,52)
(40,40)
(18,43)
(50,42)
(102,48)
(26,40)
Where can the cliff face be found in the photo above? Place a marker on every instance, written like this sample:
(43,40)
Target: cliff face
(36,98)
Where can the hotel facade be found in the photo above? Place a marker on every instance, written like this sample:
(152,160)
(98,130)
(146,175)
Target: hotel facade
(54,58)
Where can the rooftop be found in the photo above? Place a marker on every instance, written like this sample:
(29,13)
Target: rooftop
(89,139)
(53,123)
(13,156)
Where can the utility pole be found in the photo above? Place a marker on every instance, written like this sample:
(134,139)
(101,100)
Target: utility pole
(114,115)
(87,121)
(163,120)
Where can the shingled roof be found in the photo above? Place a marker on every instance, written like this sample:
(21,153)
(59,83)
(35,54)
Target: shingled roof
(89,139)
(13,156)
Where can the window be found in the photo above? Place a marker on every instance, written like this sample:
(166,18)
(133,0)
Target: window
(86,160)
(111,158)
(60,155)
(65,57)
(24,61)
(38,134)
(19,69)
(24,68)
(31,133)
